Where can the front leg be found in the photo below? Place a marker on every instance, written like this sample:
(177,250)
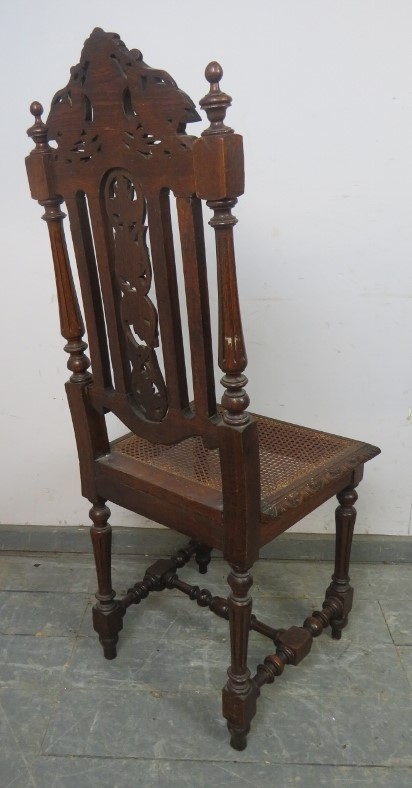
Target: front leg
(239,694)
(340,587)
(107,613)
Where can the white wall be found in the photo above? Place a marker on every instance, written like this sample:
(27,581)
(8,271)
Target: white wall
(322,94)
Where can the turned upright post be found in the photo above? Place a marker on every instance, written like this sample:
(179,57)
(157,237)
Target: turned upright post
(219,177)
(90,427)
(232,353)
(40,172)
(220,180)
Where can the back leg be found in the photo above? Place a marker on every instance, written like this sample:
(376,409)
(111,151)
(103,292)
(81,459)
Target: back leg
(203,553)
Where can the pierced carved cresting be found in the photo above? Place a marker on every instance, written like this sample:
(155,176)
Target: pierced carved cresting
(141,111)
(126,212)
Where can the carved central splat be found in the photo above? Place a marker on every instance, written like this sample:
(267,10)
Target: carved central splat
(126,211)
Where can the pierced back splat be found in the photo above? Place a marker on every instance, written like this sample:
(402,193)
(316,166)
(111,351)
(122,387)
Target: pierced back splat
(122,148)
(126,212)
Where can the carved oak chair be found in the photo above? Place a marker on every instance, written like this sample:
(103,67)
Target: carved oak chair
(116,152)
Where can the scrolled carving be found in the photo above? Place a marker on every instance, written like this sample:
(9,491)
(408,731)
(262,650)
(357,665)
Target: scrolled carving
(126,211)
(140,111)
(296,498)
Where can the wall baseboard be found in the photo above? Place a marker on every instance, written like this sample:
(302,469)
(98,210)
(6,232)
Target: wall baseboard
(162,541)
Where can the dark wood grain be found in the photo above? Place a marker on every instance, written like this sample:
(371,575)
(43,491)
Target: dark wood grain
(239,694)
(340,587)
(115,150)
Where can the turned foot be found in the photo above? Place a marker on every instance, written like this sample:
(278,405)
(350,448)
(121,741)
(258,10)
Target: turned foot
(203,557)
(336,627)
(109,647)
(107,624)
(238,737)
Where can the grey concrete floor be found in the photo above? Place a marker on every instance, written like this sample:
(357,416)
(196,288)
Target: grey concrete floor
(152,717)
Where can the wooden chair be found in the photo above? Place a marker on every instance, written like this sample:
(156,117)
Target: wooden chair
(115,151)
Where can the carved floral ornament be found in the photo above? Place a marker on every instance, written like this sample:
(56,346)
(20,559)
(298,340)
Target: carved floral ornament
(295,499)
(141,109)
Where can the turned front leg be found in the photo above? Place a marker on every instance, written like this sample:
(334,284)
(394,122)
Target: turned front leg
(239,694)
(340,587)
(107,614)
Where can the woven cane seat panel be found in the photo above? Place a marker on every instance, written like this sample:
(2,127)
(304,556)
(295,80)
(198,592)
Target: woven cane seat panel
(289,455)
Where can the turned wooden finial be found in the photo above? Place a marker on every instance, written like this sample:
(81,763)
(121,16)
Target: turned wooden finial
(215,103)
(38,131)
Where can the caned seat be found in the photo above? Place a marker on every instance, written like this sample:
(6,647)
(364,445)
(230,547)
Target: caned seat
(296,463)
(115,152)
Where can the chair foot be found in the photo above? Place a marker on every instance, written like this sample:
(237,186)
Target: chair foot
(109,647)
(238,737)
(239,711)
(336,627)
(203,552)
(107,624)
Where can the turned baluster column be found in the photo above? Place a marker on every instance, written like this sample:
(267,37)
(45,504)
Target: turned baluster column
(39,167)
(232,356)
(219,174)
(345,516)
(228,172)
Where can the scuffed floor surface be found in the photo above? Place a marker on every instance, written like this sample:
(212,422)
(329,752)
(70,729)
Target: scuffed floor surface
(70,719)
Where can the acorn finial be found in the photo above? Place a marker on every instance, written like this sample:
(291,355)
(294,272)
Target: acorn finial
(36,110)
(213,72)
(38,132)
(215,103)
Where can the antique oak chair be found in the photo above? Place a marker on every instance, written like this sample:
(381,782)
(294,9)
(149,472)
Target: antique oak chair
(116,152)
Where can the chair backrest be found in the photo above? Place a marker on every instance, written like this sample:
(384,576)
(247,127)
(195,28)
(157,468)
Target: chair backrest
(115,150)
